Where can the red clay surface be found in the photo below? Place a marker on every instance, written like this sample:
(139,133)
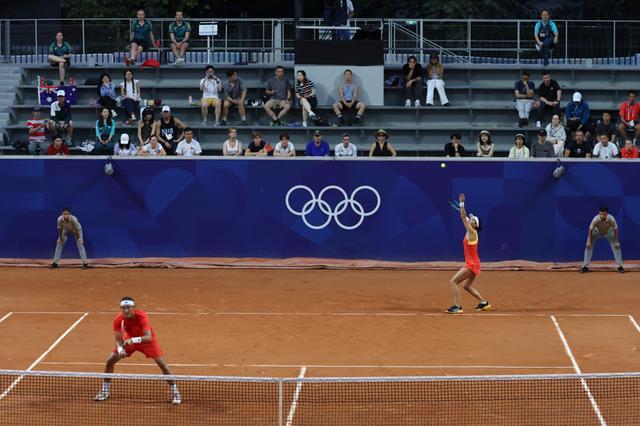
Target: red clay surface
(271,323)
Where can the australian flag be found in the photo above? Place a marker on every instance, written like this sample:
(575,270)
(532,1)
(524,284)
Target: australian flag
(47,93)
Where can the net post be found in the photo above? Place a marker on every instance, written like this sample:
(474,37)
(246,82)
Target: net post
(280,402)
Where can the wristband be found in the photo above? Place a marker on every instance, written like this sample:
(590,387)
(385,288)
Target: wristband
(136,340)
(461,203)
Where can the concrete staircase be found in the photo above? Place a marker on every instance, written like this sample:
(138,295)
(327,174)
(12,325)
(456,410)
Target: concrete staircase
(10,77)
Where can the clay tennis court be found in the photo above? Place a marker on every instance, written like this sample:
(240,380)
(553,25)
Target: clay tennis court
(327,323)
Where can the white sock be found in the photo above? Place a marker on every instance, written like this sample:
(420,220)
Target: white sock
(105,386)
(174,388)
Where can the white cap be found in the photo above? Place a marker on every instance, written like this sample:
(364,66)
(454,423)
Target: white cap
(166,108)
(577,97)
(61,93)
(124,139)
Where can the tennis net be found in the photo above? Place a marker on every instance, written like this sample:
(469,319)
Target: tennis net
(56,398)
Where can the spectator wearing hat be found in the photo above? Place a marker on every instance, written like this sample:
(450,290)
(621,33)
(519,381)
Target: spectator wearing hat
(629,150)
(58,147)
(519,150)
(604,149)
(485,145)
(550,96)
(577,115)
(36,127)
(60,55)
(606,125)
(381,147)
(546,35)
(61,117)
(147,126)
(188,147)
(257,147)
(211,87)
(579,147)
(542,148)
(284,148)
(435,72)
(130,93)
(556,135)
(317,147)
(346,148)
(124,148)
(524,89)
(105,129)
(169,130)
(629,111)
(454,148)
(412,72)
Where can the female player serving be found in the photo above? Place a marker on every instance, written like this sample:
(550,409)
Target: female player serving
(467,274)
(133,332)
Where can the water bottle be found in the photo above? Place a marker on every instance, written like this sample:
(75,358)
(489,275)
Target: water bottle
(72,81)
(190,100)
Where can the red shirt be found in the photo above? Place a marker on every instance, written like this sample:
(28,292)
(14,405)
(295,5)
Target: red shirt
(133,327)
(63,150)
(629,112)
(633,153)
(471,257)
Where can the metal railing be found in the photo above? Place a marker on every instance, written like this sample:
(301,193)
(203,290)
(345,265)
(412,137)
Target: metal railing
(461,40)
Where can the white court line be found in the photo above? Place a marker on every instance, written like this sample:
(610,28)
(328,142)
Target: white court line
(296,394)
(489,367)
(45,353)
(5,317)
(635,324)
(373,314)
(585,386)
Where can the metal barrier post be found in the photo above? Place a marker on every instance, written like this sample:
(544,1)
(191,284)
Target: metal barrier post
(7,41)
(421,32)
(614,39)
(469,39)
(566,41)
(35,46)
(518,42)
(280,404)
(84,52)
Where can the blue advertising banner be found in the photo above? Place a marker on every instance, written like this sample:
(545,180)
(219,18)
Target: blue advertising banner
(347,209)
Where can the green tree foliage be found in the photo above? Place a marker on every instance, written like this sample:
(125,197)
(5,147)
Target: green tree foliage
(445,9)
(122,8)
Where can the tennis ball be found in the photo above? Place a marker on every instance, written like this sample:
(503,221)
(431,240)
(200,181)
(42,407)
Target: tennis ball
(442,165)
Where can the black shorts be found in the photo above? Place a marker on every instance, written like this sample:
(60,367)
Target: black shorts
(313,101)
(143,43)
(353,107)
(67,63)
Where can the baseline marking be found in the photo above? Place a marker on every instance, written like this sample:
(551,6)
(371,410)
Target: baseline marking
(5,317)
(631,318)
(296,394)
(44,354)
(585,386)
(416,367)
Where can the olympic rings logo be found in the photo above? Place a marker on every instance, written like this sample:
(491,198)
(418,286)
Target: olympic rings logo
(340,208)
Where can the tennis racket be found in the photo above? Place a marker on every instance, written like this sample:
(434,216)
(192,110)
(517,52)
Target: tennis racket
(454,205)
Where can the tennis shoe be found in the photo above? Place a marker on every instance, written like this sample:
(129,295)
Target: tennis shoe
(54,265)
(483,306)
(102,396)
(621,269)
(455,309)
(177,400)
(584,270)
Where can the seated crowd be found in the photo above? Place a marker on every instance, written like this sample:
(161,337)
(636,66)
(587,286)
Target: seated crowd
(563,131)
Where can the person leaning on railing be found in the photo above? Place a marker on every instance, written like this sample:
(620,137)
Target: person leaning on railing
(381,147)
(454,148)
(232,147)
(485,145)
(60,55)
(519,150)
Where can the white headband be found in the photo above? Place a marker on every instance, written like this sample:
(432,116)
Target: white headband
(477,221)
(127,303)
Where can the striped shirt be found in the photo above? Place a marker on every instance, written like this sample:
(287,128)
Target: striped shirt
(37,136)
(305,89)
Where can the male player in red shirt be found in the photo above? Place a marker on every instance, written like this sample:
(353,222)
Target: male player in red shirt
(471,269)
(133,332)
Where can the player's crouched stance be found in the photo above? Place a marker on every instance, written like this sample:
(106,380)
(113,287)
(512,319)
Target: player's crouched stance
(133,332)
(467,274)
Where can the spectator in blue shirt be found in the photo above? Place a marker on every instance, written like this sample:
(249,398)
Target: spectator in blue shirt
(107,93)
(318,147)
(524,98)
(577,116)
(546,35)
